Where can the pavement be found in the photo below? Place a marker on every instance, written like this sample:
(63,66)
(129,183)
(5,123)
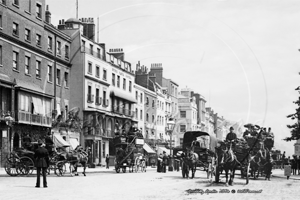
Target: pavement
(278,173)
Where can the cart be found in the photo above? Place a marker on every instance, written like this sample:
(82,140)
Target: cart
(129,147)
(203,144)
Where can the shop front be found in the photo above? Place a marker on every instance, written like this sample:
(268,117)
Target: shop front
(150,155)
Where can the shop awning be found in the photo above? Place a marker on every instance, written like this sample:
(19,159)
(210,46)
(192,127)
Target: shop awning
(59,141)
(148,148)
(123,95)
(74,143)
(160,150)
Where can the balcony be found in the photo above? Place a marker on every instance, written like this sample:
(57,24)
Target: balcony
(105,103)
(92,52)
(34,119)
(98,100)
(90,98)
(123,111)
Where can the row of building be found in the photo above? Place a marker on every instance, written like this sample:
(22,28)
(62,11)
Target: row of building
(60,80)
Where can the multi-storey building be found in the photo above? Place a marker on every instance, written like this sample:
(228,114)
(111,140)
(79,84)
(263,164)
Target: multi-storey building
(187,120)
(139,113)
(34,68)
(170,88)
(143,79)
(200,102)
(210,121)
(162,135)
(90,87)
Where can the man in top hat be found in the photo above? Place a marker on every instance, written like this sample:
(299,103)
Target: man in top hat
(41,163)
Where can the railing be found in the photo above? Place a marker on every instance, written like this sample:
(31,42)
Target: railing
(123,111)
(105,103)
(93,53)
(98,100)
(90,98)
(34,119)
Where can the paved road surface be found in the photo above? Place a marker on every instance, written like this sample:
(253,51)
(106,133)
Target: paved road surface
(107,184)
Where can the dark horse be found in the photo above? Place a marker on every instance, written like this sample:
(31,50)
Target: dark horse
(78,155)
(189,162)
(228,162)
(256,164)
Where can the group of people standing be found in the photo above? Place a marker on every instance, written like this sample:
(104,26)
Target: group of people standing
(162,162)
(290,165)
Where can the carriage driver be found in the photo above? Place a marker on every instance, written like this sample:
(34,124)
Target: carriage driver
(231,136)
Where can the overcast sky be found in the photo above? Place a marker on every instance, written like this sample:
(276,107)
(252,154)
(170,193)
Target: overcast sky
(242,56)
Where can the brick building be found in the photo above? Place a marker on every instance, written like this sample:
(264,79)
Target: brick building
(34,71)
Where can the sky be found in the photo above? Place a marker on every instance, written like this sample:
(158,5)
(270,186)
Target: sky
(242,56)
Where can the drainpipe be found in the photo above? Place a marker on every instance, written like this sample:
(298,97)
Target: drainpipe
(54,75)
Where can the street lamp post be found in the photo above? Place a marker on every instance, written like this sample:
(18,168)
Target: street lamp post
(171,125)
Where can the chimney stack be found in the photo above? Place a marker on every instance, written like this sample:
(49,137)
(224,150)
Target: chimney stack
(48,15)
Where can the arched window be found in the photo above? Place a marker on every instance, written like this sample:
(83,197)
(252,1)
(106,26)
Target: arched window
(147,117)
(153,118)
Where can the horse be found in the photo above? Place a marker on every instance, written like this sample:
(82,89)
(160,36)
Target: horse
(190,160)
(256,163)
(78,155)
(228,162)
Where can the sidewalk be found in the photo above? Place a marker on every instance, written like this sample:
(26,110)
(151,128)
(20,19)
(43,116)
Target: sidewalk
(279,173)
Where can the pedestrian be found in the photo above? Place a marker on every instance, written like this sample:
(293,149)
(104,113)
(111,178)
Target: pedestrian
(107,161)
(159,163)
(41,163)
(287,170)
(294,164)
(165,162)
(282,159)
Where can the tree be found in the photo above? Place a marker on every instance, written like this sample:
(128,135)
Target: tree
(72,122)
(295,128)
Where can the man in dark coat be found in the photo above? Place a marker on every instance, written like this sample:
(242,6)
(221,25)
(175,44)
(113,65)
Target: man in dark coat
(107,161)
(41,163)
(165,162)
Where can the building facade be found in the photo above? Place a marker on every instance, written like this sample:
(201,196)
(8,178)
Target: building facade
(142,78)
(34,71)
(187,114)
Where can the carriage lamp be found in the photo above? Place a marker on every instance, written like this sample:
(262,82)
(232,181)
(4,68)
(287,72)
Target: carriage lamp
(171,125)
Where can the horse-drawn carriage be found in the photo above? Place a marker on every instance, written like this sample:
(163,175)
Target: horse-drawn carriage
(129,152)
(21,161)
(261,151)
(198,152)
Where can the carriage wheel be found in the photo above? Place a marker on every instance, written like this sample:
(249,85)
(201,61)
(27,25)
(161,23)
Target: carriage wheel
(247,173)
(60,168)
(11,168)
(137,164)
(209,170)
(117,169)
(27,165)
(124,169)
